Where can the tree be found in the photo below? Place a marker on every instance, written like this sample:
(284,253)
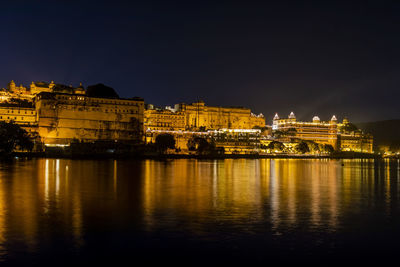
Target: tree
(289,132)
(12,137)
(165,141)
(278,134)
(302,147)
(201,145)
(101,90)
(326,148)
(313,147)
(276,145)
(204,146)
(191,144)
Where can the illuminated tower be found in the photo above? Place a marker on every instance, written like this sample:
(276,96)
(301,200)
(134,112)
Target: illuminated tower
(316,119)
(292,117)
(11,86)
(275,122)
(333,120)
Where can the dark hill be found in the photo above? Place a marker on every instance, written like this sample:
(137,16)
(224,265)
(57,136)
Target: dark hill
(101,90)
(386,133)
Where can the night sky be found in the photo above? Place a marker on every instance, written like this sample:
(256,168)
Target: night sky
(313,58)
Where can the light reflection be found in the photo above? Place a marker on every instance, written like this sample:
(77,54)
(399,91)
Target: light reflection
(247,195)
(274,196)
(46,186)
(387,184)
(3,214)
(115,177)
(57,180)
(291,192)
(315,194)
(294,190)
(333,195)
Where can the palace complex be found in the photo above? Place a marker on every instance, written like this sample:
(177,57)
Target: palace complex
(340,136)
(198,116)
(56,115)
(64,117)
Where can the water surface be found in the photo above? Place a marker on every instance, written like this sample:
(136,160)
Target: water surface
(196,212)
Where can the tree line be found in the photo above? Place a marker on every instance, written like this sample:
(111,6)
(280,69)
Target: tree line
(201,145)
(13,137)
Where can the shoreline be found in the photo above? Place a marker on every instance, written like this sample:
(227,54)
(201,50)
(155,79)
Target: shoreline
(342,155)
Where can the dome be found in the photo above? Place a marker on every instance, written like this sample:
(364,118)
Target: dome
(292,116)
(333,118)
(276,117)
(316,119)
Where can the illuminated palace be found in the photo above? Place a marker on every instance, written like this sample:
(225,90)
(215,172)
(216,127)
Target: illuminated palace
(163,119)
(197,116)
(338,135)
(57,114)
(352,139)
(185,121)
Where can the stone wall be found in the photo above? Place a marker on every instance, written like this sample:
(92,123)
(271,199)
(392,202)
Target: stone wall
(65,117)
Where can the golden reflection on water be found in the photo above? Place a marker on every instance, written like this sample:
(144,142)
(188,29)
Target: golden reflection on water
(40,198)
(2,220)
(284,192)
(56,195)
(198,189)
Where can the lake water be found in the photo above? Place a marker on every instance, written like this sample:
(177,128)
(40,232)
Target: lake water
(199,212)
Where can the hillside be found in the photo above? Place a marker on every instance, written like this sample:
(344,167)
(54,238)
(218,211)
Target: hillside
(386,133)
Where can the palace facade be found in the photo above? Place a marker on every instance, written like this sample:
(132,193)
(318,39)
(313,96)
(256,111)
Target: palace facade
(323,132)
(316,130)
(198,116)
(65,117)
(166,119)
(57,114)
(352,139)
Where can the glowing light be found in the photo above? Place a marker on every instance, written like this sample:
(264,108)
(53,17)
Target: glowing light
(56,145)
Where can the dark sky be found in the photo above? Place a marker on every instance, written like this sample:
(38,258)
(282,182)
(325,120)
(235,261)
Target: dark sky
(313,58)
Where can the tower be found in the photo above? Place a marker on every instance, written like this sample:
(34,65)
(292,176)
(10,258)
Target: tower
(275,122)
(11,86)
